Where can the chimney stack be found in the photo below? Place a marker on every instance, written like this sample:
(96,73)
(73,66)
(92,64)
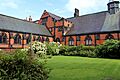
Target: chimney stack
(30,18)
(76,13)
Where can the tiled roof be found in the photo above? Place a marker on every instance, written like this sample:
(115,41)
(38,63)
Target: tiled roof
(112,22)
(19,25)
(95,23)
(54,16)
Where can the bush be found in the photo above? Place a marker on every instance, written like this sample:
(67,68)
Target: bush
(84,51)
(18,65)
(87,51)
(110,49)
(39,49)
(53,48)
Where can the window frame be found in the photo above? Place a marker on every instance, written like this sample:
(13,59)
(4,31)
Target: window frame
(78,38)
(17,39)
(88,40)
(71,41)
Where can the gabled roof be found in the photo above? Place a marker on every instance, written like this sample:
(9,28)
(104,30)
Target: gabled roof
(18,25)
(54,16)
(95,23)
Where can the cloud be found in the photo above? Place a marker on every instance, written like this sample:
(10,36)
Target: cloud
(87,6)
(9,4)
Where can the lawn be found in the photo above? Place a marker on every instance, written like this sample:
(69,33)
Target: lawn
(81,68)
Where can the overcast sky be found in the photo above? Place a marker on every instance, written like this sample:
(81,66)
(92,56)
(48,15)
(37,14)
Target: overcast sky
(64,8)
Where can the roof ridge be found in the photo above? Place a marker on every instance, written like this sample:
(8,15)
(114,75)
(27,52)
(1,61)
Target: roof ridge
(55,14)
(88,14)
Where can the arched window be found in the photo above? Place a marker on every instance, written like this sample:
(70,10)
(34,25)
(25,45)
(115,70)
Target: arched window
(97,36)
(39,39)
(47,39)
(28,39)
(71,41)
(109,36)
(24,36)
(43,39)
(88,41)
(63,39)
(57,39)
(17,39)
(78,38)
(34,38)
(3,38)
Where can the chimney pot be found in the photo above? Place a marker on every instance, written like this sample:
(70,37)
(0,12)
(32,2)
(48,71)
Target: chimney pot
(76,13)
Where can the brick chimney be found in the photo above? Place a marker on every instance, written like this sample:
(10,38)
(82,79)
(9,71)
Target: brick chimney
(30,18)
(76,13)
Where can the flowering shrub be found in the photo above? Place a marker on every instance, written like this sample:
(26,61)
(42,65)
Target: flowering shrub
(39,49)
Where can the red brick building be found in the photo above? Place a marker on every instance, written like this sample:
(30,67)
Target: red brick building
(91,29)
(17,33)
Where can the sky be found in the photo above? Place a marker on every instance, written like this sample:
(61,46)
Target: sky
(63,8)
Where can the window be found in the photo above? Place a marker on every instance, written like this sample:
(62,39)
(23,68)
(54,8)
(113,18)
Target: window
(97,36)
(58,40)
(43,39)
(24,36)
(63,39)
(71,41)
(11,34)
(109,36)
(17,39)
(78,38)
(44,20)
(34,38)
(28,39)
(60,29)
(88,41)
(3,38)
(47,39)
(39,39)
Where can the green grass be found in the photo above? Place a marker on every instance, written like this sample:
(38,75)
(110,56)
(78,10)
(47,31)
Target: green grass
(80,68)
